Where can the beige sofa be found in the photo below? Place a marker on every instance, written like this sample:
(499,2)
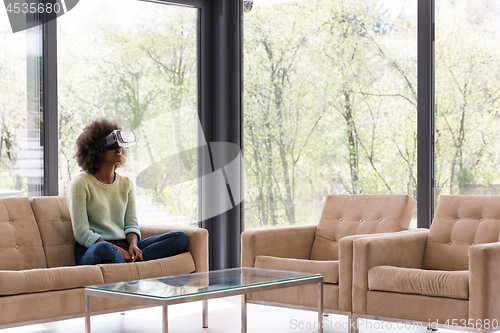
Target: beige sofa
(325,248)
(447,274)
(39,281)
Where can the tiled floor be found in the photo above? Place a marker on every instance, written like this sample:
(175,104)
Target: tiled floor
(224,317)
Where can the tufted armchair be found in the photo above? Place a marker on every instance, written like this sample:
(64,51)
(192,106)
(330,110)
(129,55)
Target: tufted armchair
(325,248)
(448,274)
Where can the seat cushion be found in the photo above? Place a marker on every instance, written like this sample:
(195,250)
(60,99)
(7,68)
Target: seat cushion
(452,284)
(180,264)
(329,269)
(346,215)
(417,307)
(47,279)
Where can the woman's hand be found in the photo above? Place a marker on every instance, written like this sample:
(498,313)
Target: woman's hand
(125,254)
(135,253)
(133,250)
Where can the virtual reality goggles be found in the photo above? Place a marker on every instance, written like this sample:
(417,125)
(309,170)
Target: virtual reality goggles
(118,139)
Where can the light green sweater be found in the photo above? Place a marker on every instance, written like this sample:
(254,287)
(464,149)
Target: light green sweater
(100,210)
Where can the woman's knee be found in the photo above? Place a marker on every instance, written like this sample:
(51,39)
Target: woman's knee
(183,239)
(105,252)
(102,248)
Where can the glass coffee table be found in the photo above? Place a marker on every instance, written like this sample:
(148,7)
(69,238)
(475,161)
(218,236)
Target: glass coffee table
(202,287)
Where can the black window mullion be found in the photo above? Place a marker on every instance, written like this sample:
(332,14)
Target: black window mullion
(425,131)
(221,116)
(49,105)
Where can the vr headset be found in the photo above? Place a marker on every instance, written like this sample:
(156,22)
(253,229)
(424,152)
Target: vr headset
(118,139)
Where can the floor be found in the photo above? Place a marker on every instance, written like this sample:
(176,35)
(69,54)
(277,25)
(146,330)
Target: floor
(224,317)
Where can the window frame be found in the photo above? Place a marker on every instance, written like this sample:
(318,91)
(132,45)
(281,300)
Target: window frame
(220,90)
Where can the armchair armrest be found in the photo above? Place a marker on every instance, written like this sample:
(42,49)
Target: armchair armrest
(285,242)
(346,268)
(402,249)
(484,289)
(198,242)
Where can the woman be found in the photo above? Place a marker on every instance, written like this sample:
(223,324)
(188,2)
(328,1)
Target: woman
(102,205)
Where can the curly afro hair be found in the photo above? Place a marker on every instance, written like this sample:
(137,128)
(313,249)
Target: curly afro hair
(89,153)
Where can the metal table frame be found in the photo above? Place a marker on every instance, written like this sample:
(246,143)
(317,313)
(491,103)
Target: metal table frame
(204,297)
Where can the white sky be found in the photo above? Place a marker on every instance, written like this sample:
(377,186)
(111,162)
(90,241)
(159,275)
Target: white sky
(121,12)
(116,13)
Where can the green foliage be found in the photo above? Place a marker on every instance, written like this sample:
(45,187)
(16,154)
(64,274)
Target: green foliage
(467,91)
(16,159)
(330,107)
(465,177)
(330,100)
(143,75)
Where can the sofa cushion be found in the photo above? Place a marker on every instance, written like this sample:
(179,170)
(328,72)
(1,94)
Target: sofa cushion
(180,264)
(425,309)
(54,222)
(46,279)
(460,222)
(345,215)
(20,240)
(329,269)
(452,284)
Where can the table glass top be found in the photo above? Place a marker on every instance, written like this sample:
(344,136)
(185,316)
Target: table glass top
(204,282)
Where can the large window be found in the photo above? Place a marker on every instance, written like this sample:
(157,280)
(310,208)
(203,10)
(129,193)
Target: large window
(330,100)
(330,104)
(21,151)
(467,97)
(134,62)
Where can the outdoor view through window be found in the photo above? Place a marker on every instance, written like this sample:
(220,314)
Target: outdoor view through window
(330,104)
(467,97)
(330,101)
(134,62)
(21,151)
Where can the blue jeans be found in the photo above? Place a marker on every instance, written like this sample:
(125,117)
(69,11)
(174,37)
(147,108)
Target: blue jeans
(155,247)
